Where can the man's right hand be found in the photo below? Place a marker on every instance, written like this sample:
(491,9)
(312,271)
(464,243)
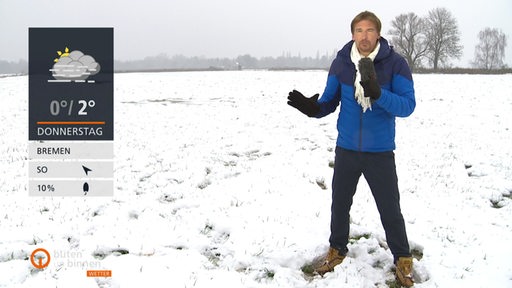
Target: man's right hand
(308,106)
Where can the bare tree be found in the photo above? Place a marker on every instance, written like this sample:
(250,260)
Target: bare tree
(408,38)
(490,52)
(442,35)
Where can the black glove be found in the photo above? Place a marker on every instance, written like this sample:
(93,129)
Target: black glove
(308,106)
(369,79)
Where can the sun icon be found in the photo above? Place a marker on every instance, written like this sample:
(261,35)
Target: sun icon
(66,53)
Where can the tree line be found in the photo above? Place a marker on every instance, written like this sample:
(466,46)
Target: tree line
(18,67)
(179,62)
(163,62)
(431,41)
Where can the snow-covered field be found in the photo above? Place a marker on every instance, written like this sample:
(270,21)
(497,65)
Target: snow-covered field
(219,183)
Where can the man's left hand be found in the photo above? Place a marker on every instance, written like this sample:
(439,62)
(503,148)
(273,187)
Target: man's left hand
(369,79)
(371,89)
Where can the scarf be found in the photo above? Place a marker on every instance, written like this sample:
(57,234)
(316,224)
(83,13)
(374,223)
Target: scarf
(359,91)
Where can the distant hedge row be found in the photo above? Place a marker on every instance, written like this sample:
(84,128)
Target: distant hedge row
(462,71)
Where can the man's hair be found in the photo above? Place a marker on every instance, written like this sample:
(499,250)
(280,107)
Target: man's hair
(366,15)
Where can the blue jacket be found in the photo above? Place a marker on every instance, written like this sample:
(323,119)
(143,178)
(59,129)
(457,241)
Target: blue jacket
(374,130)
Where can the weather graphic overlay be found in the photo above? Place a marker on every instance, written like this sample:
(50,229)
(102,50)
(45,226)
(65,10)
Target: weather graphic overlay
(74,66)
(71,107)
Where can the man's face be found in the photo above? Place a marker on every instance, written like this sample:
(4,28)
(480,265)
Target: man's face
(365,35)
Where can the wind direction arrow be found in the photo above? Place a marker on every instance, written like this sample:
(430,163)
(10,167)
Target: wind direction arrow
(86,170)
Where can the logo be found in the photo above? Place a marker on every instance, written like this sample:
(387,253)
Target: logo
(40,259)
(99,273)
(39,263)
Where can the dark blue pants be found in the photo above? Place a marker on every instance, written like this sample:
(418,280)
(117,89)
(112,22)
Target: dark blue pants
(379,171)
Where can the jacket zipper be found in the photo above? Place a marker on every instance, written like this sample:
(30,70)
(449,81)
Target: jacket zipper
(361,130)
(360,116)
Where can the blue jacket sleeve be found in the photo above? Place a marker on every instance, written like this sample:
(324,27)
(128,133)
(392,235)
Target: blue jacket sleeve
(399,99)
(330,98)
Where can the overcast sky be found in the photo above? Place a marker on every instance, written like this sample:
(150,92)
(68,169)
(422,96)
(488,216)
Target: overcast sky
(228,28)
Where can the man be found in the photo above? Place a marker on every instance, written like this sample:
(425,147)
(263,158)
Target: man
(372,85)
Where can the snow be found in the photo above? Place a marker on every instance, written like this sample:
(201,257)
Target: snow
(219,183)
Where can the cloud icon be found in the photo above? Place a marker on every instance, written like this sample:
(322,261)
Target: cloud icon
(75,66)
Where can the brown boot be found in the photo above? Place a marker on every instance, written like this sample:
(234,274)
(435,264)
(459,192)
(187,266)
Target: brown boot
(332,259)
(404,271)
